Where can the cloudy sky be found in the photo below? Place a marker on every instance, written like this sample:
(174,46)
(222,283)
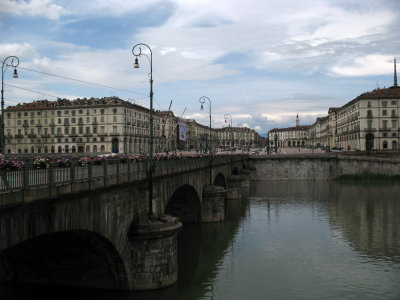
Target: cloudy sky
(261,61)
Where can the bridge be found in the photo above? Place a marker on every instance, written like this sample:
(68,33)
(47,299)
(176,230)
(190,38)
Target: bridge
(89,226)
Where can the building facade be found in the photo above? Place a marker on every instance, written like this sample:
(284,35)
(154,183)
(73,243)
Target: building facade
(368,122)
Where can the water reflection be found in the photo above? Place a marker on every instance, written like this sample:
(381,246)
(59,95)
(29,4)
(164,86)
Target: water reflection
(367,216)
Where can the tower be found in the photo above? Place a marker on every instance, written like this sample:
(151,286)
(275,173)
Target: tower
(395,74)
(297,121)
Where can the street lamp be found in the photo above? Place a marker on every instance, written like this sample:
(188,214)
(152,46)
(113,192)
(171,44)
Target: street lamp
(150,166)
(226,117)
(202,100)
(14,64)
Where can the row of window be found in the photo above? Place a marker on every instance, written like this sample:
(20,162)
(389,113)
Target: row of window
(384,113)
(384,103)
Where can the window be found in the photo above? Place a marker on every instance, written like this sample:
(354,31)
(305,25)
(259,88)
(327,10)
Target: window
(393,102)
(384,103)
(384,112)
(102,111)
(80,111)
(73,112)
(66,112)
(384,124)
(114,110)
(114,118)
(58,113)
(369,113)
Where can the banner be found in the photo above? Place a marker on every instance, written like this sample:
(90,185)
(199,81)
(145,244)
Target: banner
(182,130)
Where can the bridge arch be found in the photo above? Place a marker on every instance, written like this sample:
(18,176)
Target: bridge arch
(220,180)
(69,258)
(184,204)
(235,171)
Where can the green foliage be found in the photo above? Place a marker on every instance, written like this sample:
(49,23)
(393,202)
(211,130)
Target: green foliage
(367,177)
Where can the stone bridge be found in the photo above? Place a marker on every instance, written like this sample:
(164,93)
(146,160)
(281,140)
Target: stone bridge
(89,226)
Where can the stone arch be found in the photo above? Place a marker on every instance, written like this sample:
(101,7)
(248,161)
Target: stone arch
(235,171)
(220,180)
(114,145)
(69,258)
(185,204)
(369,141)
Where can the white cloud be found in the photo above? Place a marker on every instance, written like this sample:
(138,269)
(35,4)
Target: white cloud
(368,65)
(41,8)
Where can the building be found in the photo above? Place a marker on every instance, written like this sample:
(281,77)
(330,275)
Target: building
(238,137)
(106,125)
(289,137)
(368,122)
(83,125)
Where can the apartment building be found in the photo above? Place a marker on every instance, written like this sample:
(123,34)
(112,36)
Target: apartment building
(79,126)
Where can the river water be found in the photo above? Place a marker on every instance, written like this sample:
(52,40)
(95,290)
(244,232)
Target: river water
(283,240)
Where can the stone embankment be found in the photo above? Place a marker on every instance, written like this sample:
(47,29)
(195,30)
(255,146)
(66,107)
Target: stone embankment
(318,166)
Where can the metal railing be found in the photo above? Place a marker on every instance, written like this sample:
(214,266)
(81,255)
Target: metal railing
(32,177)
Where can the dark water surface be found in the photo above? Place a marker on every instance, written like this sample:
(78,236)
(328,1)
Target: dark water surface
(283,240)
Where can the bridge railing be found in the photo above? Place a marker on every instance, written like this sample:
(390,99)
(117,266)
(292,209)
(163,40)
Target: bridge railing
(31,177)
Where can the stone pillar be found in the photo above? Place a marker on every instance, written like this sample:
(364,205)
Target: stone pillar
(213,204)
(153,253)
(245,182)
(234,187)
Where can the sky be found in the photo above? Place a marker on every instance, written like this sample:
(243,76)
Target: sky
(260,61)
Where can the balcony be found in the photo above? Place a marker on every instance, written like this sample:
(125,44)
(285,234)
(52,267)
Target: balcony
(115,134)
(32,135)
(385,129)
(45,136)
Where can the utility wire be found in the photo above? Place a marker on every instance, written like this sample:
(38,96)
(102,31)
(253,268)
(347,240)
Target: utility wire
(82,81)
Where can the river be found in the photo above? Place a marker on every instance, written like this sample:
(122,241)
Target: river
(282,240)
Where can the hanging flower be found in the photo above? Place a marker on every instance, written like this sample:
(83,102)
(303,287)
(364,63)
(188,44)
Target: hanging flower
(11,164)
(42,162)
(84,161)
(64,162)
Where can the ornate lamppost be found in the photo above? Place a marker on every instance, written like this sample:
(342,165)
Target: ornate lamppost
(150,166)
(202,100)
(14,64)
(226,117)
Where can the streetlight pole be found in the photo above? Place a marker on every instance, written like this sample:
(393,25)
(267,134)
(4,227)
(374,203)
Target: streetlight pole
(150,166)
(202,100)
(228,116)
(14,64)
